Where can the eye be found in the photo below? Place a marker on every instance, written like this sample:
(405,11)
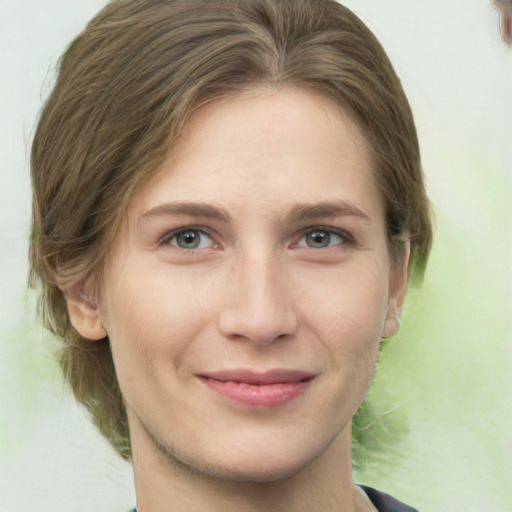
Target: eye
(322,238)
(189,239)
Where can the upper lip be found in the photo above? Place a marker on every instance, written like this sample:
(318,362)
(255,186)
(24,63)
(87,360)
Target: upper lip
(259,378)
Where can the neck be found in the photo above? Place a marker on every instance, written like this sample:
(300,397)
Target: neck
(163,484)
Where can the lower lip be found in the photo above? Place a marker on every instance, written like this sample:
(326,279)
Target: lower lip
(268,395)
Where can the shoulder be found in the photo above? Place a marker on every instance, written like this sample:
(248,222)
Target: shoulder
(386,503)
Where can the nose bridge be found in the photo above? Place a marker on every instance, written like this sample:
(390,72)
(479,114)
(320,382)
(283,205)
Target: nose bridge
(262,282)
(259,306)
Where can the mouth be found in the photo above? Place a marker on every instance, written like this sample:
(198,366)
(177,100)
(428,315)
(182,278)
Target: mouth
(258,389)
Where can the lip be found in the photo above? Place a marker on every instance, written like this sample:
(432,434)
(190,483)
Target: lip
(258,388)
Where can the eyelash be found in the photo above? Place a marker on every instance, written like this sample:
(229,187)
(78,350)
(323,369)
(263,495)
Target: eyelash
(169,237)
(345,238)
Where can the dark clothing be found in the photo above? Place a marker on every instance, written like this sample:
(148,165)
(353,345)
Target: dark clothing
(383,502)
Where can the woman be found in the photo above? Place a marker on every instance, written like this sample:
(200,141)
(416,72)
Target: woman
(228,203)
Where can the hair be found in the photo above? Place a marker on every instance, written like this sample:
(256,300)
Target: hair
(126,87)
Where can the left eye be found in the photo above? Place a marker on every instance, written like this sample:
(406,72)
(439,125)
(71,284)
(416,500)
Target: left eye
(319,238)
(190,239)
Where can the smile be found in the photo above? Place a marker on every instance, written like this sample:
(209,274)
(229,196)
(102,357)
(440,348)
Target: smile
(258,389)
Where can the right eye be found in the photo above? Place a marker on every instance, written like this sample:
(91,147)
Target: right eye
(189,239)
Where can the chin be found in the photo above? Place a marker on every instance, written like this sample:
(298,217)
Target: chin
(252,467)
(265,461)
(251,473)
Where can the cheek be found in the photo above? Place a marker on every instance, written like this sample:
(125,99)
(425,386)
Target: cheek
(149,330)
(351,304)
(347,319)
(155,313)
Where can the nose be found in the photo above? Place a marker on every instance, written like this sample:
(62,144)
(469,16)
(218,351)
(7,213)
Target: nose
(258,305)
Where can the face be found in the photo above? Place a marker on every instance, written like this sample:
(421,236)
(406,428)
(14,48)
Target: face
(249,287)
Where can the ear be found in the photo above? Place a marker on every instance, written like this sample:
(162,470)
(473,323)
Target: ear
(398,277)
(84,314)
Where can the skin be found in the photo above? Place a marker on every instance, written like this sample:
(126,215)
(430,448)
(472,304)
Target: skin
(258,292)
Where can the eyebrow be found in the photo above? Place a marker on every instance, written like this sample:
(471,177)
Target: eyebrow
(306,212)
(194,209)
(298,213)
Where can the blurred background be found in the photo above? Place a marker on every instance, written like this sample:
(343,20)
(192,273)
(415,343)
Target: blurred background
(438,432)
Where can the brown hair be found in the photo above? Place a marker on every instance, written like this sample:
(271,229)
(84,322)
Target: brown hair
(128,84)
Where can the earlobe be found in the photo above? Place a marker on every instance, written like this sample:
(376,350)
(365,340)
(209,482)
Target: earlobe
(397,292)
(393,319)
(84,315)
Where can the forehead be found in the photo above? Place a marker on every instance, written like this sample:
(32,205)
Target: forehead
(265,147)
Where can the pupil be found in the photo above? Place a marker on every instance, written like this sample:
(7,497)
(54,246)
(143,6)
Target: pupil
(319,238)
(188,239)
